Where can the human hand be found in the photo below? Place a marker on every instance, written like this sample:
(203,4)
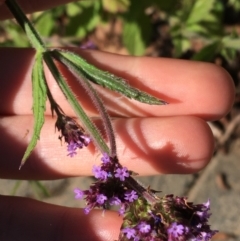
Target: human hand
(150,139)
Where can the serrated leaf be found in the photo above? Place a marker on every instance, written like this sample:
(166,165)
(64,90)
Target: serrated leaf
(39,90)
(109,80)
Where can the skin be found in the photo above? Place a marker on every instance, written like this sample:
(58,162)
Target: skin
(173,138)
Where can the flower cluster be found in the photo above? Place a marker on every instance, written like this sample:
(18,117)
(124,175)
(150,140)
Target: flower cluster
(110,188)
(72,133)
(169,218)
(146,217)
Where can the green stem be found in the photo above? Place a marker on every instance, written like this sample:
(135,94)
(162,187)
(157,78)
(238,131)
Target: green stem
(26,25)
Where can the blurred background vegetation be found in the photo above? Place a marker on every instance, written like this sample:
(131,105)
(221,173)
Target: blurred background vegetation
(196,29)
(203,30)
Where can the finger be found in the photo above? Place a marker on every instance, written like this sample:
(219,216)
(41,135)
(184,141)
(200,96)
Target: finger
(145,145)
(30,6)
(191,88)
(34,220)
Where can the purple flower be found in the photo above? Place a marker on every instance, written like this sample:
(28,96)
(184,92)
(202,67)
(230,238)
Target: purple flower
(85,140)
(72,133)
(207,204)
(204,215)
(122,210)
(114,201)
(87,210)
(144,227)
(99,173)
(131,196)
(129,232)
(175,230)
(105,159)
(71,148)
(121,173)
(206,236)
(79,193)
(137,239)
(101,198)
(88,45)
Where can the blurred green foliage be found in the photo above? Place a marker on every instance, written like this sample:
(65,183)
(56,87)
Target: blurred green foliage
(187,20)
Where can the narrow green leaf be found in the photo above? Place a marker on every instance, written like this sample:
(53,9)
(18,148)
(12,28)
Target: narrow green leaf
(39,90)
(110,81)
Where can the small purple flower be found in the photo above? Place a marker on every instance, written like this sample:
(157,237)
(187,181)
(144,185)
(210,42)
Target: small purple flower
(121,173)
(85,140)
(122,210)
(71,148)
(204,215)
(72,133)
(87,210)
(206,236)
(101,199)
(99,173)
(88,45)
(129,232)
(105,159)
(207,204)
(131,196)
(144,227)
(79,194)
(137,238)
(175,230)
(114,201)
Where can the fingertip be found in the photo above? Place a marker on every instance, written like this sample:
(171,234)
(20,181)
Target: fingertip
(169,145)
(52,222)
(103,225)
(223,91)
